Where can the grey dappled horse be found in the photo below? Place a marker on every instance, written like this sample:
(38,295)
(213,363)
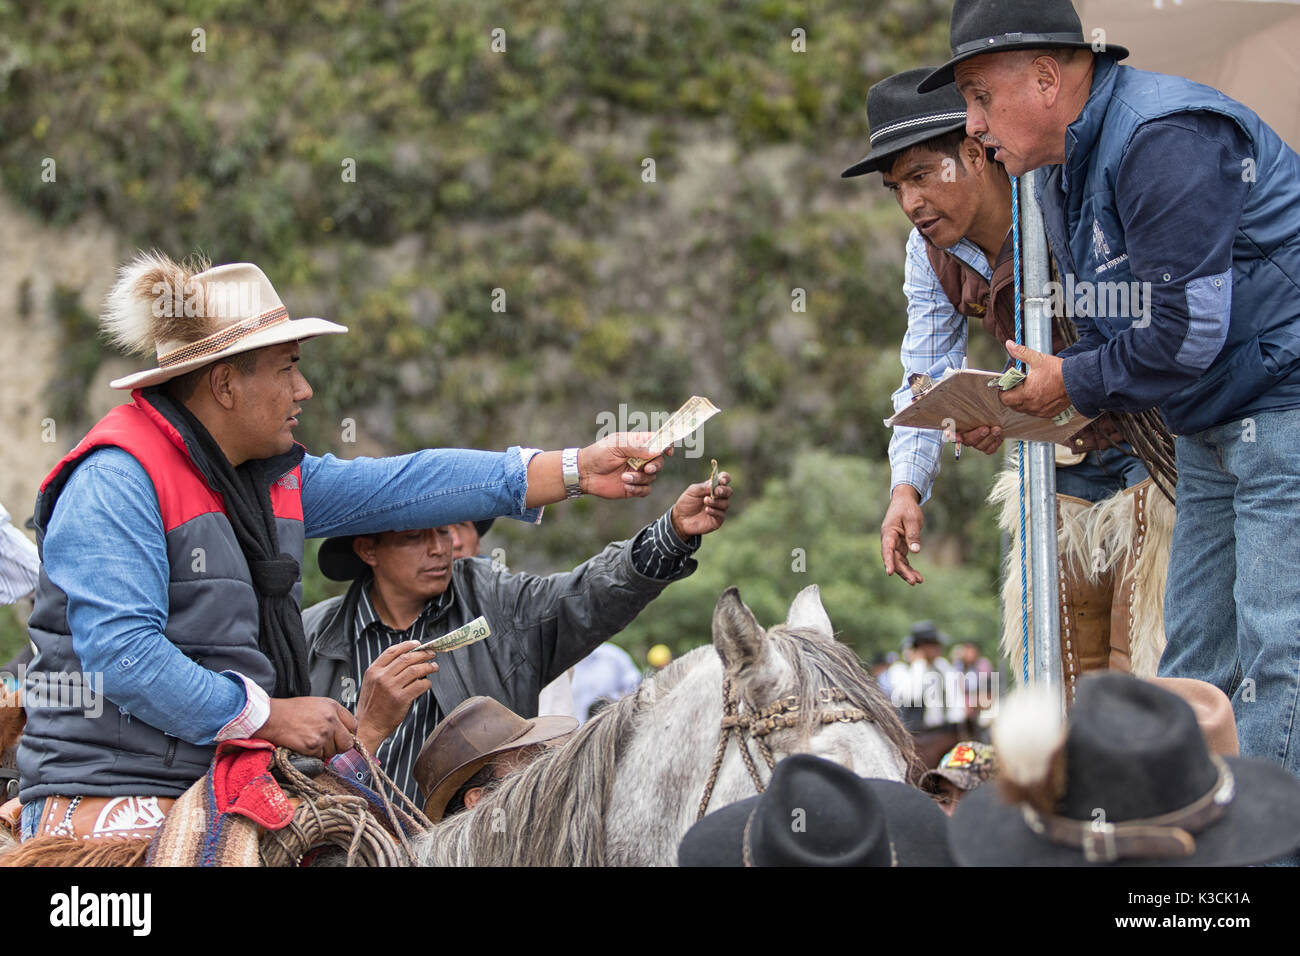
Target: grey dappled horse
(629,784)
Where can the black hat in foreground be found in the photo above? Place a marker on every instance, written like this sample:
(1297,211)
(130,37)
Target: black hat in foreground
(900,118)
(818,813)
(1129,783)
(996,26)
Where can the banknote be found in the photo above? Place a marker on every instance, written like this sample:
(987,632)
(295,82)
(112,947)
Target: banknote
(1010,379)
(1013,377)
(680,424)
(471,633)
(713,479)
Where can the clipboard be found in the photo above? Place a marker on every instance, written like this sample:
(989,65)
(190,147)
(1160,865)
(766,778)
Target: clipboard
(963,399)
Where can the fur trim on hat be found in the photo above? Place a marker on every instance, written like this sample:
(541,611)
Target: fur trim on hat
(140,311)
(1029,738)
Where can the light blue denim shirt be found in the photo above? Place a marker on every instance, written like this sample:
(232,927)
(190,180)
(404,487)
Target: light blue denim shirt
(935,342)
(105,549)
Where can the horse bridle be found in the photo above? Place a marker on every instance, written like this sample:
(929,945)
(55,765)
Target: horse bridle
(776,716)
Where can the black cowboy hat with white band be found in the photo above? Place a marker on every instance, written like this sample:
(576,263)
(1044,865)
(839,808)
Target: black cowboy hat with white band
(900,118)
(1129,783)
(996,26)
(818,813)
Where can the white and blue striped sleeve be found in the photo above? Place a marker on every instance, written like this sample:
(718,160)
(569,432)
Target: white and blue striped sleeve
(935,342)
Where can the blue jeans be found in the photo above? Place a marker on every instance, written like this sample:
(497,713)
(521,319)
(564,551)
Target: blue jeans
(31,818)
(1232,605)
(1101,474)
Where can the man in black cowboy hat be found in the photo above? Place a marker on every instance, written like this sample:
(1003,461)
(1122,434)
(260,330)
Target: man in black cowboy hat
(1129,782)
(815,812)
(1160,183)
(407,589)
(959,268)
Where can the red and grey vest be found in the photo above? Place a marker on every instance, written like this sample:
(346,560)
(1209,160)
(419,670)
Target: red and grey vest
(212,617)
(994,304)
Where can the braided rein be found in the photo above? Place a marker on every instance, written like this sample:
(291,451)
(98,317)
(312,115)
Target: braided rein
(781,714)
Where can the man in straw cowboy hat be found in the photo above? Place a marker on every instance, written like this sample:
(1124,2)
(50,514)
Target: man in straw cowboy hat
(172,538)
(959,268)
(407,587)
(1161,181)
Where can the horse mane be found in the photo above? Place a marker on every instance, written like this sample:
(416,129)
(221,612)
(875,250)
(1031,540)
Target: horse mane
(552,811)
(826,664)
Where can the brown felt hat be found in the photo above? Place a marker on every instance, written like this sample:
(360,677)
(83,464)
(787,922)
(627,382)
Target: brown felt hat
(1213,712)
(469,738)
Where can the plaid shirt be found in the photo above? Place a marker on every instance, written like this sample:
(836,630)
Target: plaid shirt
(935,342)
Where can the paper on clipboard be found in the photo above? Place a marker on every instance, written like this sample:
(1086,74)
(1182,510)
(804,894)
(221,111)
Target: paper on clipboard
(963,400)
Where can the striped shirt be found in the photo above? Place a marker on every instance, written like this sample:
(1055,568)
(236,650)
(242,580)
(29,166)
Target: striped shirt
(657,552)
(935,342)
(397,754)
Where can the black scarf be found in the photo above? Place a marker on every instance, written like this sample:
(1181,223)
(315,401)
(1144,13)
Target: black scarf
(247,494)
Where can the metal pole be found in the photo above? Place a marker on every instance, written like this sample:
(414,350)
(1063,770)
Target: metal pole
(1041,457)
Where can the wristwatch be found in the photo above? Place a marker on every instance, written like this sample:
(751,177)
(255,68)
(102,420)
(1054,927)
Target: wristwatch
(569,467)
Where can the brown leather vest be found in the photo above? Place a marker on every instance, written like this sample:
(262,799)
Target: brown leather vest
(993,304)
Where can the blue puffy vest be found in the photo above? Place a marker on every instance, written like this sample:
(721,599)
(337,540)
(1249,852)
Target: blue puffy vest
(1258,367)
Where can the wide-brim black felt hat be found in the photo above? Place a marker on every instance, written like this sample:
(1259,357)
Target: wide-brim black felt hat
(1137,773)
(900,118)
(997,26)
(818,813)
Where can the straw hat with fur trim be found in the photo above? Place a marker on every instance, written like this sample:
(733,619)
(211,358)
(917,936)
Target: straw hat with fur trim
(190,318)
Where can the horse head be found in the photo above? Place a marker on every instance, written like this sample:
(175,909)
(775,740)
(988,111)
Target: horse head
(630,783)
(795,689)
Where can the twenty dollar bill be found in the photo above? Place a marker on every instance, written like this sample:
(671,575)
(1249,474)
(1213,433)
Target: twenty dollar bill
(471,633)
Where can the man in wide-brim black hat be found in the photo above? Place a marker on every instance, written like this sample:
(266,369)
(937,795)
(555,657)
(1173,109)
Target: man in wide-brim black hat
(959,277)
(1130,782)
(1185,201)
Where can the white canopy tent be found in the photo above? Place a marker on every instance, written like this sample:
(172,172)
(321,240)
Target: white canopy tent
(1249,49)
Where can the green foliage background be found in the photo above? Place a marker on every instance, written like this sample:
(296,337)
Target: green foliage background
(522,171)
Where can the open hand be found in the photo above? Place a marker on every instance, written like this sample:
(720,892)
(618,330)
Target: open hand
(900,533)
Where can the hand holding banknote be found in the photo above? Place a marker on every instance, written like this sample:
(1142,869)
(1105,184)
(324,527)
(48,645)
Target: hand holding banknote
(389,686)
(606,469)
(1043,392)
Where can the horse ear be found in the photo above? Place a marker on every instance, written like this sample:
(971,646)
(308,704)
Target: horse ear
(737,635)
(806,611)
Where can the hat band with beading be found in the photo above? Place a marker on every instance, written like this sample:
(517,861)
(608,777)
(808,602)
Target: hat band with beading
(217,342)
